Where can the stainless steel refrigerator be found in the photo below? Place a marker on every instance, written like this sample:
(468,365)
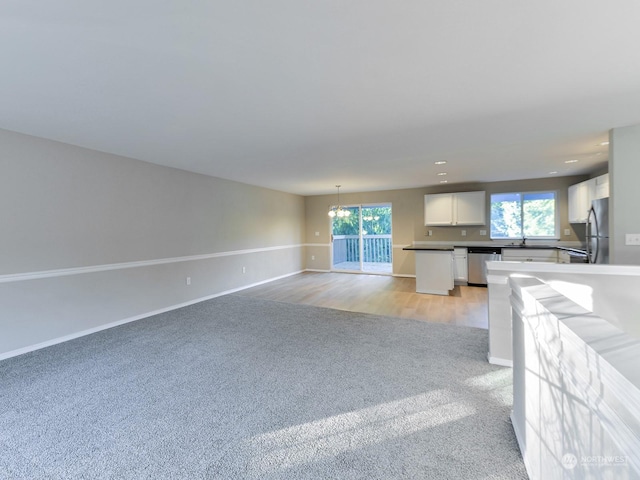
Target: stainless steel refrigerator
(598,231)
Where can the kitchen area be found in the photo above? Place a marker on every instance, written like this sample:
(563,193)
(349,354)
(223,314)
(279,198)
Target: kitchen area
(442,265)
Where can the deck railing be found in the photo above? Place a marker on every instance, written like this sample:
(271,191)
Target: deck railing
(375,248)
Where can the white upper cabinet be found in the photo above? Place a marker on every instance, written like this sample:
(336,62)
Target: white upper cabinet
(581,194)
(464,208)
(438,209)
(601,187)
(579,202)
(469,208)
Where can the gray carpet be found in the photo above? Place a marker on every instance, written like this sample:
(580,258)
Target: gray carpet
(237,387)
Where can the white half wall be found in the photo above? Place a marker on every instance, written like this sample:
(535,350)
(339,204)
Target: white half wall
(112,239)
(576,388)
(608,291)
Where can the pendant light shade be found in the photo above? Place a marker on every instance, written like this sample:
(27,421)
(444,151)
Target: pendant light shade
(338,211)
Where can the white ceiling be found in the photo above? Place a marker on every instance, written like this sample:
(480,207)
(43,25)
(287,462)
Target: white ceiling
(302,95)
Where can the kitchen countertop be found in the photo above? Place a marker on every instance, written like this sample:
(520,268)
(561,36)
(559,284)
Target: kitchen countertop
(572,247)
(579,251)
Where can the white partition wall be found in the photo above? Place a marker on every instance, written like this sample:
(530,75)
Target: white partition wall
(576,388)
(609,291)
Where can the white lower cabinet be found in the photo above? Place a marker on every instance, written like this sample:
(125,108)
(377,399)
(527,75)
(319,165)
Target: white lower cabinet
(564,257)
(460,272)
(530,255)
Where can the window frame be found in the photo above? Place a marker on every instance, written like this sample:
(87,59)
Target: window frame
(556,217)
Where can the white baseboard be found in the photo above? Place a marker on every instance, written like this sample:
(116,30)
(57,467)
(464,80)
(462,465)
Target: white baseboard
(316,270)
(500,361)
(82,333)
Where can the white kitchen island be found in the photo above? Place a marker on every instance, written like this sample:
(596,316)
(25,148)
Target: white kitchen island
(434,269)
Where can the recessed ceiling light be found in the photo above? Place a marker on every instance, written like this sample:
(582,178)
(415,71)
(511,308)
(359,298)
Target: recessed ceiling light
(444,181)
(442,173)
(553,173)
(604,143)
(441,162)
(571,161)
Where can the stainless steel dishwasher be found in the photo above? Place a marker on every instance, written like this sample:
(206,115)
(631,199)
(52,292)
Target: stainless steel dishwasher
(476,263)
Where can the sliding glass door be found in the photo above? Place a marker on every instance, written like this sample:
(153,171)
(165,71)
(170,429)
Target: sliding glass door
(376,239)
(345,240)
(361,242)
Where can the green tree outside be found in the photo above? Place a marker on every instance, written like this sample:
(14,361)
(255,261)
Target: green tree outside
(527,215)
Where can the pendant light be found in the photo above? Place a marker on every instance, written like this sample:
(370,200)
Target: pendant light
(339,211)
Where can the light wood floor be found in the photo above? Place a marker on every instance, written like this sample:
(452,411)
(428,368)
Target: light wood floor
(378,294)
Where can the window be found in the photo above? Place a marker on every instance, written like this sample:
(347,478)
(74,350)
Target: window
(528,215)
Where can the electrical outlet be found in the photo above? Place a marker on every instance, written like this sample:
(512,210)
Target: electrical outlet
(632,239)
(483,233)
(188,281)
(244,269)
(464,233)
(567,232)
(313,257)
(317,234)
(429,233)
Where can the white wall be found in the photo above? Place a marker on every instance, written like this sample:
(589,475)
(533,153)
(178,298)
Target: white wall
(624,170)
(115,238)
